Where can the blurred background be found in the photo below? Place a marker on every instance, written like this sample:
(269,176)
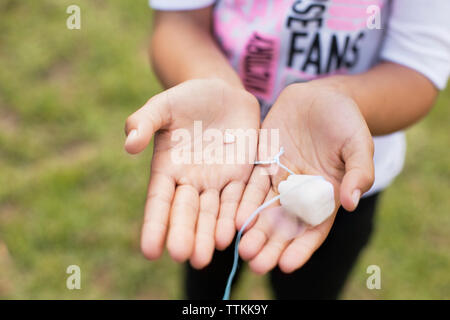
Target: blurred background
(70,195)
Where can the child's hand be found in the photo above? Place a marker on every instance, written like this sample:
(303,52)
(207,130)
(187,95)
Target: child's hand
(185,200)
(323,133)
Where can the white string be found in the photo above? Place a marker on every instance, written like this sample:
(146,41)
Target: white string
(276,160)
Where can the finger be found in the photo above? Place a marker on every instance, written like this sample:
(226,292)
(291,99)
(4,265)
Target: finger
(256,191)
(359,172)
(206,224)
(229,201)
(285,228)
(301,248)
(159,198)
(183,218)
(256,237)
(268,257)
(142,125)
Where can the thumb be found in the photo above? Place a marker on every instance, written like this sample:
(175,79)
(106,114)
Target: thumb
(142,125)
(359,171)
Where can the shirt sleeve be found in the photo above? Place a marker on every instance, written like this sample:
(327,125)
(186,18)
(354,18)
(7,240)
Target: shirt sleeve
(179,4)
(418,37)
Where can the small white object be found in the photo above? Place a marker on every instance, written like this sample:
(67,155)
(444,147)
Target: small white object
(311,198)
(229,138)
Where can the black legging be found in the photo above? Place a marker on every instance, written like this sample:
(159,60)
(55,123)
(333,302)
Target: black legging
(322,277)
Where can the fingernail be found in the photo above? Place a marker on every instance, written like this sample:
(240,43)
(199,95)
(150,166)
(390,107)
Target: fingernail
(131,136)
(355,197)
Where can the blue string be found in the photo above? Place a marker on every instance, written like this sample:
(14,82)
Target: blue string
(276,159)
(226,295)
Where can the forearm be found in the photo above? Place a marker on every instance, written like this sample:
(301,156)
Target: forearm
(183,48)
(391,97)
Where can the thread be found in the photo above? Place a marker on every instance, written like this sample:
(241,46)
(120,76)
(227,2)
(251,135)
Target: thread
(276,160)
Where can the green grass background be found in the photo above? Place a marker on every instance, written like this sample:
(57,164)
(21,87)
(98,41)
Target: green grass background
(70,195)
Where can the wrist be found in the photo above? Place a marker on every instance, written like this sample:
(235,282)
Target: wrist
(343,85)
(337,84)
(331,85)
(326,92)
(230,79)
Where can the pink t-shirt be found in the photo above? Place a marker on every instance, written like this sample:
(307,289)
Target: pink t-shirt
(273,43)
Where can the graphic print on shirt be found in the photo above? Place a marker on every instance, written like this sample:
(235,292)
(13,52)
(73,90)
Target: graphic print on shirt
(274,43)
(259,64)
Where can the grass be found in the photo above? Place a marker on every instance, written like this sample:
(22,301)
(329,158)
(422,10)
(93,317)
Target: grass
(70,195)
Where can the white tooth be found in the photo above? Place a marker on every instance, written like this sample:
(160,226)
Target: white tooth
(229,138)
(311,198)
